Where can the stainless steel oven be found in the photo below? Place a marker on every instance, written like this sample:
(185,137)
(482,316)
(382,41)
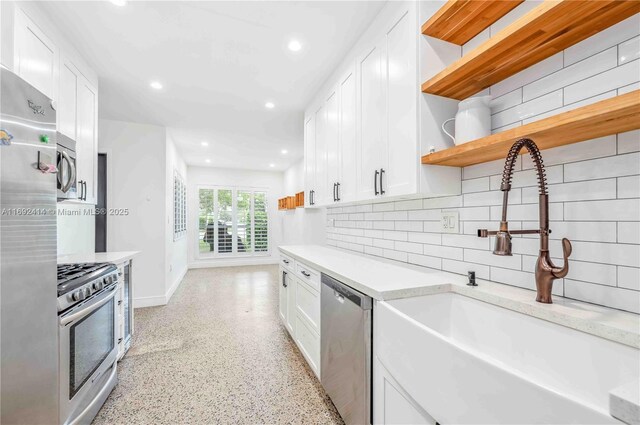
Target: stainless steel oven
(88,352)
(66,164)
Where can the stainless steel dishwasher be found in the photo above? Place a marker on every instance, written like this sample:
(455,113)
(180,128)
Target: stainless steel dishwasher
(345,349)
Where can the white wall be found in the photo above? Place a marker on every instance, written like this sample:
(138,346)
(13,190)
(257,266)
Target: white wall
(271,181)
(176,259)
(76,229)
(302,225)
(136,160)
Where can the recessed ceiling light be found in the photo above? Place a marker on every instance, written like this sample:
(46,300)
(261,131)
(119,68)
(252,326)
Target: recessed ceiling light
(119,2)
(156,85)
(272,165)
(204,143)
(269,105)
(294,45)
(207,161)
(284,151)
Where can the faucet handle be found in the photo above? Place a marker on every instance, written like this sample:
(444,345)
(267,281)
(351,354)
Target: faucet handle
(566,248)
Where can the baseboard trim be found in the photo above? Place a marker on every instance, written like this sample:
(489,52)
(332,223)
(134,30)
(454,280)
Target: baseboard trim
(142,302)
(231,262)
(175,285)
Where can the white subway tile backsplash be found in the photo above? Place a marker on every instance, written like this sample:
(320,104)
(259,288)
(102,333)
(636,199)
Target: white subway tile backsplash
(443,251)
(577,191)
(551,64)
(588,231)
(475,185)
(619,298)
(629,277)
(629,50)
(613,166)
(465,241)
(594,186)
(618,210)
(527,212)
(413,204)
(424,215)
(529,109)
(487,258)
(571,74)
(491,198)
(429,238)
(409,226)
(425,261)
(609,37)
(529,178)
(629,142)
(506,101)
(589,149)
(629,187)
(486,169)
(629,232)
(415,248)
(620,76)
(607,253)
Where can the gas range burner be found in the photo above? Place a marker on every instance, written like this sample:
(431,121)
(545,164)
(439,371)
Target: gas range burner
(72,276)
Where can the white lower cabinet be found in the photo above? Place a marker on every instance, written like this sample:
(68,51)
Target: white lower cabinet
(299,309)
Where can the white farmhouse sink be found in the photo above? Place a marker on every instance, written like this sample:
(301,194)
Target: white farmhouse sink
(466,361)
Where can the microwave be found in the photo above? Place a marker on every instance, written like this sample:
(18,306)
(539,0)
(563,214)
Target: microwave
(66,165)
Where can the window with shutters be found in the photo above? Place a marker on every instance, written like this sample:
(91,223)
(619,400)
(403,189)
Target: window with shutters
(179,206)
(232,221)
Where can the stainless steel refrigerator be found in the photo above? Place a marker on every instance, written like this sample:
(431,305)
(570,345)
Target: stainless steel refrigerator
(29,317)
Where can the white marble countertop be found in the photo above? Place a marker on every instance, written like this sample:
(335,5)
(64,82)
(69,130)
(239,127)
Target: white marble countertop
(98,257)
(624,403)
(385,280)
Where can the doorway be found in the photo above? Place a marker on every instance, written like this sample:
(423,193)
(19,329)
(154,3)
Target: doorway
(101,205)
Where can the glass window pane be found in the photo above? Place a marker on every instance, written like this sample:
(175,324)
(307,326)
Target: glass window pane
(244,221)
(225,221)
(206,221)
(261,239)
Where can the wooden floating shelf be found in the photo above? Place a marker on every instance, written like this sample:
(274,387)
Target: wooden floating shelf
(546,30)
(610,116)
(300,200)
(458,21)
(287,203)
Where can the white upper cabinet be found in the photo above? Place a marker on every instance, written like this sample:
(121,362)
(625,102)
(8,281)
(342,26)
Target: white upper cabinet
(87,140)
(332,147)
(35,55)
(320,186)
(309,158)
(348,149)
(403,157)
(46,62)
(68,99)
(371,104)
(372,150)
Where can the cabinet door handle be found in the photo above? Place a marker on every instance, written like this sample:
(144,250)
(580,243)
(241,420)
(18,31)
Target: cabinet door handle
(285,261)
(375,182)
(84,191)
(311,202)
(338,191)
(284,279)
(119,340)
(306,274)
(335,192)
(381,187)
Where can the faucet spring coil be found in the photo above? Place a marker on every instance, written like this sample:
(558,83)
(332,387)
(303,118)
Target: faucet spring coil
(536,157)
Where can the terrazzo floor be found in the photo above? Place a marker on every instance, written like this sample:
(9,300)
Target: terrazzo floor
(216,354)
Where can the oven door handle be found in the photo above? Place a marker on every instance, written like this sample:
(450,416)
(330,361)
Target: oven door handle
(89,308)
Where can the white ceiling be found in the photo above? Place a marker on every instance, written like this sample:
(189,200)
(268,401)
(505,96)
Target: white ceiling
(219,62)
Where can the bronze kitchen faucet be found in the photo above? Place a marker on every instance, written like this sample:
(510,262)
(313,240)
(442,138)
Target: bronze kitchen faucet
(546,271)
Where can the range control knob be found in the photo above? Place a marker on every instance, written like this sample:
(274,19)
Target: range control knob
(97,285)
(87,292)
(78,295)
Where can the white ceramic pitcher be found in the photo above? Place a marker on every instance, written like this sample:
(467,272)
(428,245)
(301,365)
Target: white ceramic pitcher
(473,120)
